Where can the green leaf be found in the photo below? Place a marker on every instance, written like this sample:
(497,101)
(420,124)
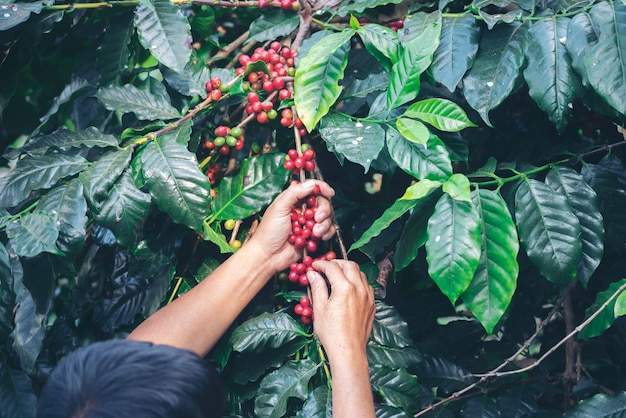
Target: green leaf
(605,61)
(318,404)
(414,60)
(102,175)
(600,406)
(431,162)
(412,197)
(124,210)
(389,329)
(413,130)
(394,357)
(549,231)
(33,234)
(68,209)
(584,203)
(382,43)
(458,46)
(164,31)
(64,139)
(175,182)
(606,317)
(453,245)
(144,104)
(17,398)
(272,25)
(290,381)
(359,6)
(360,142)
(458,187)
(266,330)
(496,71)
(398,387)
(443,114)
(552,82)
(316,83)
(258,182)
(37,173)
(491,290)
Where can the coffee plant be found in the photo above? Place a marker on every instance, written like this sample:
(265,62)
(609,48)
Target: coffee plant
(475,148)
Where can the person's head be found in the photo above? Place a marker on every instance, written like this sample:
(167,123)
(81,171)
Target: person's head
(131,379)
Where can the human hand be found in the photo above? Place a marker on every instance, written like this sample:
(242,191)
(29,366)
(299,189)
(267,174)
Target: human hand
(273,232)
(343,316)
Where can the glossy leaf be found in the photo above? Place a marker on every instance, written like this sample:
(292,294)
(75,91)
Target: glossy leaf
(33,234)
(102,175)
(453,245)
(389,329)
(67,206)
(266,330)
(175,182)
(382,42)
(258,182)
(413,130)
(17,398)
(144,104)
(443,114)
(290,381)
(164,31)
(398,387)
(584,203)
(272,25)
(411,197)
(600,406)
(606,318)
(123,211)
(64,139)
(491,290)
(414,60)
(318,404)
(37,173)
(431,162)
(605,61)
(552,82)
(316,83)
(360,142)
(458,46)
(496,70)
(548,230)
(394,357)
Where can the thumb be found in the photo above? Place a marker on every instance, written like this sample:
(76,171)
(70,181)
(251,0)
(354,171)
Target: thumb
(319,290)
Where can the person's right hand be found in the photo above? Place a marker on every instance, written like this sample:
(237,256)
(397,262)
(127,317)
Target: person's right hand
(343,316)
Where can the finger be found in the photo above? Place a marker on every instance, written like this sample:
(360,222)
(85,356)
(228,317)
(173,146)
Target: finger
(319,290)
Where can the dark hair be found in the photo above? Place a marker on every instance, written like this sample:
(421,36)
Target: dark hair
(131,379)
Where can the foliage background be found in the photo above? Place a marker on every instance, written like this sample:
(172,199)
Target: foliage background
(477,157)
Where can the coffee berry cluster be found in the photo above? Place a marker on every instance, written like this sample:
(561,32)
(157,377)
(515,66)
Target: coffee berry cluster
(294,161)
(225,139)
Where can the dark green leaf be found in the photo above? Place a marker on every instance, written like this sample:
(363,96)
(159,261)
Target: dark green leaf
(33,234)
(549,231)
(175,182)
(552,82)
(457,50)
(164,31)
(442,114)
(318,404)
(36,173)
(358,6)
(398,387)
(100,177)
(412,196)
(496,71)
(394,357)
(606,317)
(266,330)
(124,210)
(441,373)
(491,290)
(144,104)
(316,83)
(414,60)
(272,25)
(258,182)
(382,43)
(360,142)
(584,203)
(600,406)
(67,206)
(605,61)
(290,381)
(389,329)
(17,398)
(453,245)
(431,162)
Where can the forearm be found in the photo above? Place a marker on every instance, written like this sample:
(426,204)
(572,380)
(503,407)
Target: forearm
(352,393)
(197,320)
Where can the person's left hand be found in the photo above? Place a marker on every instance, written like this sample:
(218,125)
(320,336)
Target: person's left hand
(273,232)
